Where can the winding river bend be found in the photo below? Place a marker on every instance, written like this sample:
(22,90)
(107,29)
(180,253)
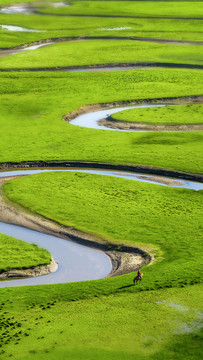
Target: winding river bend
(91,120)
(77,262)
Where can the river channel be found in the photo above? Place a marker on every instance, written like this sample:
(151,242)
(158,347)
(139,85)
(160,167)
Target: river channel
(76,262)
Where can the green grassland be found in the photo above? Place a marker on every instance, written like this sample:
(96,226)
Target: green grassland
(17,254)
(170,115)
(121,210)
(56,27)
(143,326)
(161,317)
(103,52)
(110,318)
(32,107)
(130,8)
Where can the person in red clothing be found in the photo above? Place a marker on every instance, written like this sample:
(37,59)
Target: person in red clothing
(138,277)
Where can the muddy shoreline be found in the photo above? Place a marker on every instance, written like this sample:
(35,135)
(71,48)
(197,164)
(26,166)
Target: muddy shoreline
(25,273)
(111,123)
(184,100)
(96,165)
(124,125)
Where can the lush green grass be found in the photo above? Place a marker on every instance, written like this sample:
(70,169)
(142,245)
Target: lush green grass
(33,105)
(103,52)
(127,326)
(17,254)
(109,318)
(124,211)
(55,27)
(130,322)
(131,8)
(170,115)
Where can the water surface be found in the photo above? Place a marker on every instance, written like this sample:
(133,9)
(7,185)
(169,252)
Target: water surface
(75,262)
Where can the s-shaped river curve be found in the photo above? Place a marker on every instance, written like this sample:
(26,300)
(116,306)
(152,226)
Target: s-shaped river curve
(98,120)
(77,262)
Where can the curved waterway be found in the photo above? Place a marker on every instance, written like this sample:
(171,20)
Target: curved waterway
(129,175)
(8,52)
(76,262)
(91,120)
(52,41)
(94,120)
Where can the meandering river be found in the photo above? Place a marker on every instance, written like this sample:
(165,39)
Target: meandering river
(77,262)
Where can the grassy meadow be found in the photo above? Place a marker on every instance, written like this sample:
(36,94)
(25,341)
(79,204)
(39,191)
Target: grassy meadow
(112,208)
(53,27)
(169,115)
(161,317)
(31,103)
(163,9)
(17,254)
(77,321)
(103,52)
